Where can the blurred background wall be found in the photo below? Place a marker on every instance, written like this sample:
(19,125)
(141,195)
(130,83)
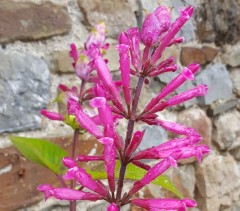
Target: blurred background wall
(34,42)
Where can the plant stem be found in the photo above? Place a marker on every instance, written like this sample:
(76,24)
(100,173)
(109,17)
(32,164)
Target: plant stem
(129,134)
(74,153)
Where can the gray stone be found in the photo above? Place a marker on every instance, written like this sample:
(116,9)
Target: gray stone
(217,79)
(227,131)
(220,106)
(24,90)
(218,182)
(154,135)
(235,76)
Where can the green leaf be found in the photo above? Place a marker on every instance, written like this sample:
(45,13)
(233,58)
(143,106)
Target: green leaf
(135,173)
(40,151)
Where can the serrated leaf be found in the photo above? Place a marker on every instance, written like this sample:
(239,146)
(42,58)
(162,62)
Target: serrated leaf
(135,173)
(40,151)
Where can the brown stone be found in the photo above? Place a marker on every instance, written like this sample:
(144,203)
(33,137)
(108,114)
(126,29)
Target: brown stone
(197,55)
(218,182)
(197,119)
(29,21)
(19,177)
(61,62)
(117,15)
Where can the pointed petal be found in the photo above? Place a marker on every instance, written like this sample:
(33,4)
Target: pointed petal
(52,115)
(110,160)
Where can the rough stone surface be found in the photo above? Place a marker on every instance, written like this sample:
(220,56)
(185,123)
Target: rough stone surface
(60,61)
(197,55)
(218,22)
(96,10)
(227,132)
(154,135)
(231,55)
(24,90)
(235,77)
(184,179)
(113,58)
(197,119)
(220,106)
(215,77)
(29,21)
(218,182)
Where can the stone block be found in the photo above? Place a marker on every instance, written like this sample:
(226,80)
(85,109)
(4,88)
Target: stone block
(227,132)
(216,77)
(197,119)
(24,90)
(29,21)
(235,77)
(117,15)
(197,55)
(218,182)
(231,55)
(218,23)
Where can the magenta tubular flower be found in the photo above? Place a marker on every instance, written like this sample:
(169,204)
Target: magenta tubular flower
(200,90)
(97,37)
(52,115)
(87,158)
(125,71)
(136,140)
(82,68)
(106,78)
(157,152)
(141,165)
(73,53)
(85,179)
(69,162)
(152,174)
(67,193)
(110,160)
(85,121)
(154,25)
(164,204)
(171,68)
(134,38)
(176,26)
(173,127)
(112,207)
(103,109)
(187,73)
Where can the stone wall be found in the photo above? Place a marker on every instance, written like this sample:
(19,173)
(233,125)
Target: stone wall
(34,41)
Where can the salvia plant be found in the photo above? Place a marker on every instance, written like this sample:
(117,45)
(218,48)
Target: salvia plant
(112,101)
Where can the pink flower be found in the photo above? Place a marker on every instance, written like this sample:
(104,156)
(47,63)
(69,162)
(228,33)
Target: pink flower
(97,37)
(85,179)
(154,25)
(106,78)
(164,204)
(110,160)
(52,115)
(85,122)
(67,193)
(125,71)
(169,36)
(135,142)
(152,174)
(112,207)
(187,73)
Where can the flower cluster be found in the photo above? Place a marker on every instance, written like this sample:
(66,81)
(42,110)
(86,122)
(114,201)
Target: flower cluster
(114,100)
